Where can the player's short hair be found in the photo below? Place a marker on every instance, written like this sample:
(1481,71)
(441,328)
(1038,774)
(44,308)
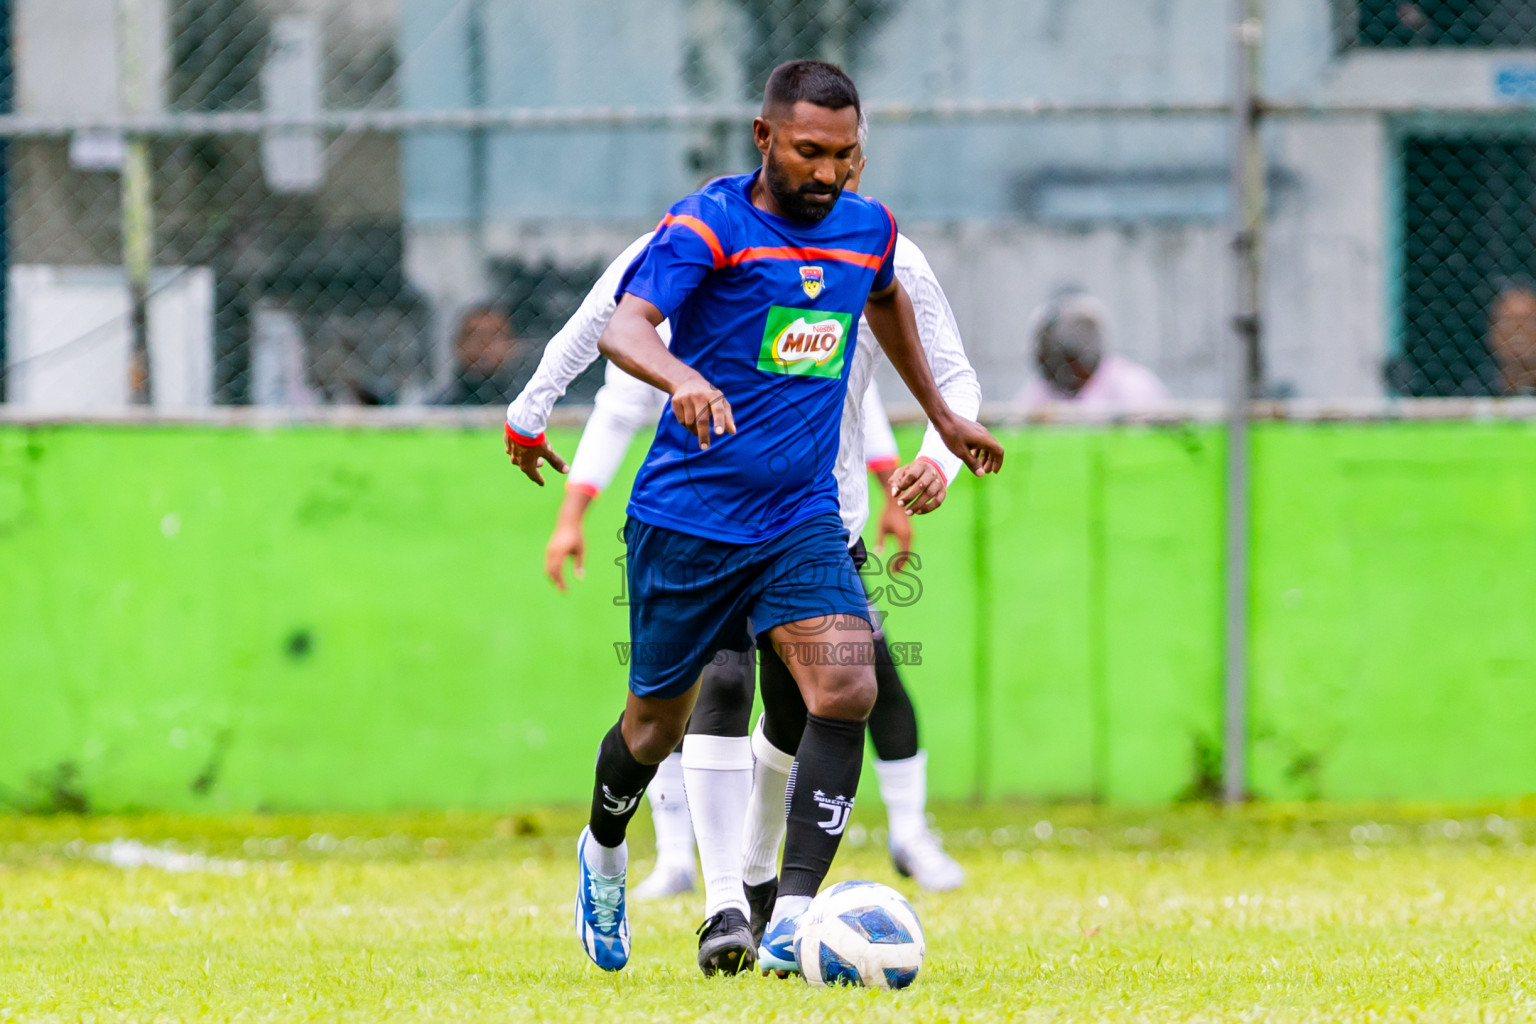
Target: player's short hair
(810,81)
(863,134)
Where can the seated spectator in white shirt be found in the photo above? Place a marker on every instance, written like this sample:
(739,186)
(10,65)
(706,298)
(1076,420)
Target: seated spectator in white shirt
(1068,333)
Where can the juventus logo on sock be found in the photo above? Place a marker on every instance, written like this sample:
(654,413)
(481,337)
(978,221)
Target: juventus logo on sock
(839,806)
(618,804)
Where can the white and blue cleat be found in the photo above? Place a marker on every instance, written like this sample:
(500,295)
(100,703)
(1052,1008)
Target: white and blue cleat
(602,923)
(776,955)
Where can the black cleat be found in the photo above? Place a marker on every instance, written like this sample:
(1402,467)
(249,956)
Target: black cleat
(760,898)
(726,945)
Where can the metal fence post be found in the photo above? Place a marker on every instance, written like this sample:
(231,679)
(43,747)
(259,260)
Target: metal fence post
(7,92)
(137,197)
(1243,376)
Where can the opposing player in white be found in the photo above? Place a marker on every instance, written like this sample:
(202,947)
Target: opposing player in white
(725,772)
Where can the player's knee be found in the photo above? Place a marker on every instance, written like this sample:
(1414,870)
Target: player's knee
(650,740)
(847,693)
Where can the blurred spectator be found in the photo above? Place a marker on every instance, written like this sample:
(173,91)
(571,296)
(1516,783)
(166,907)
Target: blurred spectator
(1512,338)
(1072,366)
(488,360)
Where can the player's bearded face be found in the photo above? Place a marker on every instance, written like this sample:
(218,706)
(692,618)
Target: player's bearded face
(795,197)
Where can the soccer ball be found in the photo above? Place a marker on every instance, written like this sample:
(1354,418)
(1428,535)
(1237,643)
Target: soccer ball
(859,933)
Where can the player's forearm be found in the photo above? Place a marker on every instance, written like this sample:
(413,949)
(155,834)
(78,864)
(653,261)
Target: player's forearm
(564,358)
(884,476)
(962,393)
(631,342)
(574,508)
(895,326)
(571,350)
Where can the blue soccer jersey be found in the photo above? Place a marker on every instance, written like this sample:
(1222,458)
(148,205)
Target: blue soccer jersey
(767,309)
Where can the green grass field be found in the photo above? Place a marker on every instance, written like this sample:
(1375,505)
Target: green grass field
(1278,913)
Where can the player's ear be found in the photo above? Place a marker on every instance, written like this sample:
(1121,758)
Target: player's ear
(762,134)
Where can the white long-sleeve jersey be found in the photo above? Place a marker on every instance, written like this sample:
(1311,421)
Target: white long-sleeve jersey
(624,404)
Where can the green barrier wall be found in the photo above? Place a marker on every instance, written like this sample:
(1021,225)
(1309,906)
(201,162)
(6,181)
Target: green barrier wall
(1394,611)
(327,618)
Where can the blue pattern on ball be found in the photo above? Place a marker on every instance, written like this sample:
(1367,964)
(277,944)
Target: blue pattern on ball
(837,971)
(876,926)
(896,977)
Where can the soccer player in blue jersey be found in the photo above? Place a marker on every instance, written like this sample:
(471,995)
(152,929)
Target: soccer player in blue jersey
(733,518)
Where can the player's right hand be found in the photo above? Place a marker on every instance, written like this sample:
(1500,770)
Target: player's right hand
(531,457)
(702,408)
(566,542)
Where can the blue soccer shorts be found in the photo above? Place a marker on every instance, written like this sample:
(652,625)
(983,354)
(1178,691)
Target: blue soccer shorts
(691,596)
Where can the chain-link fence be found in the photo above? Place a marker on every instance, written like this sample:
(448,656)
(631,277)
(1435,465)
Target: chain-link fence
(285,203)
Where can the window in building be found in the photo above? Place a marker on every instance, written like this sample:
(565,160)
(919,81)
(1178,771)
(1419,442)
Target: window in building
(1468,263)
(1397,24)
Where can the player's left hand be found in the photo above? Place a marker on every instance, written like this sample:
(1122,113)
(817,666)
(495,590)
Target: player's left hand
(530,458)
(974,443)
(917,489)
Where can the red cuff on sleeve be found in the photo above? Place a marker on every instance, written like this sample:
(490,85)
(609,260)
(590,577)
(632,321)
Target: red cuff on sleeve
(882,463)
(581,487)
(523,439)
(935,465)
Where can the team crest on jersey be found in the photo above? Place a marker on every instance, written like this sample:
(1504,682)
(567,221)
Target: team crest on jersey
(811,281)
(804,342)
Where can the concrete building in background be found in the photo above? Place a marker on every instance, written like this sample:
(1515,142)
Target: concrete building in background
(1008,211)
(286,233)
(348,257)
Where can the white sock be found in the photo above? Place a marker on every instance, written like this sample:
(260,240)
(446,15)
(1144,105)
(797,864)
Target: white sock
(669,815)
(718,773)
(608,861)
(788,906)
(766,816)
(904,790)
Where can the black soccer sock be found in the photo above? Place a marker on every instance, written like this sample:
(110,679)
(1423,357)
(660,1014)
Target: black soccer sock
(724,706)
(893,721)
(621,780)
(783,707)
(822,785)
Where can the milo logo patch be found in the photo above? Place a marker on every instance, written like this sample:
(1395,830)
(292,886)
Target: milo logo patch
(804,342)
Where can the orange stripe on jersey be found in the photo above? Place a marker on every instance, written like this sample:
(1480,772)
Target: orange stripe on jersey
(699,228)
(892,243)
(785,252)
